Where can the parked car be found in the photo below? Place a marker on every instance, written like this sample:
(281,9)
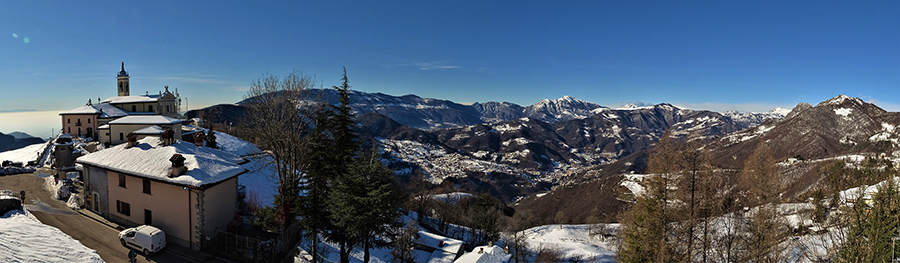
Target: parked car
(144,238)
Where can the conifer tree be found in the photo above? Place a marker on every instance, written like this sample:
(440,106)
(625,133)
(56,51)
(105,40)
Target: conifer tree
(369,204)
(765,228)
(211,139)
(645,233)
(873,224)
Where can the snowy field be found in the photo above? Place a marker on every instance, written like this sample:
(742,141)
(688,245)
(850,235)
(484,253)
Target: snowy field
(25,239)
(24,155)
(573,242)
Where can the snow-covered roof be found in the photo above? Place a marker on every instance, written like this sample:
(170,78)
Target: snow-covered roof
(227,142)
(103,127)
(150,159)
(152,130)
(132,99)
(154,119)
(432,241)
(110,111)
(105,110)
(87,109)
(440,256)
(494,254)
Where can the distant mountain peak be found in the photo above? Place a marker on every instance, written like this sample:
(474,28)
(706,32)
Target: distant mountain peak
(780,110)
(629,106)
(840,99)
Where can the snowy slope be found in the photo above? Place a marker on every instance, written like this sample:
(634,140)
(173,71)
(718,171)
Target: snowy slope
(25,239)
(23,155)
(573,242)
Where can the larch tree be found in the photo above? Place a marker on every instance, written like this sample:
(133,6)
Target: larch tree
(762,177)
(646,232)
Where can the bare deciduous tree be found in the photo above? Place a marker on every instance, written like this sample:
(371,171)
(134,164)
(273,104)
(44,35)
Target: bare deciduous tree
(278,111)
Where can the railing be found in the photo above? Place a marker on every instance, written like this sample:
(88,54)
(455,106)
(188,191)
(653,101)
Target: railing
(251,249)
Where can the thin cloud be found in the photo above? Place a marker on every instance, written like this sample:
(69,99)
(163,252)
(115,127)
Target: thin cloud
(885,105)
(202,80)
(239,88)
(741,107)
(435,65)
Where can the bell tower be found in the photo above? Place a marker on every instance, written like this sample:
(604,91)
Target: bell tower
(124,89)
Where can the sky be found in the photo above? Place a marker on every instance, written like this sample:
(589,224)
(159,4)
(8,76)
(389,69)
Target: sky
(717,55)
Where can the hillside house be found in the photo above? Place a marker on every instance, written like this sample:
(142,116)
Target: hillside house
(432,248)
(86,120)
(187,191)
(486,254)
(115,132)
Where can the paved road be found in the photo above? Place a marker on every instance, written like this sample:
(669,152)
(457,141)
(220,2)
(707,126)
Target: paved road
(92,234)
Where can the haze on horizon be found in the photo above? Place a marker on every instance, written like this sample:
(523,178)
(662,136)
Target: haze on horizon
(750,56)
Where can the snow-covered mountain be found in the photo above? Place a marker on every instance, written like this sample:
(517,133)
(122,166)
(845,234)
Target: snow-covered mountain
(755,118)
(432,114)
(833,127)
(540,150)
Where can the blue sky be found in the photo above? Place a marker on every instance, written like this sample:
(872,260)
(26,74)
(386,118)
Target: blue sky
(720,55)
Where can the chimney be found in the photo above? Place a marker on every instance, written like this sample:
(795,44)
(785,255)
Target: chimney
(168,137)
(132,140)
(199,138)
(178,168)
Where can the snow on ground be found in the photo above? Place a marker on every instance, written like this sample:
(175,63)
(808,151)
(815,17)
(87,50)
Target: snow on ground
(261,179)
(451,198)
(843,111)
(573,242)
(632,182)
(25,239)
(24,155)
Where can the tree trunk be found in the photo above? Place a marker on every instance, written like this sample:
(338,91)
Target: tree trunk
(345,257)
(366,252)
(315,245)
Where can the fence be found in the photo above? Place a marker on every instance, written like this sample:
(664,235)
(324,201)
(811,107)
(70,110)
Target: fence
(252,249)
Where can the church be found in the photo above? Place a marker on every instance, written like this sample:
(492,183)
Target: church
(133,112)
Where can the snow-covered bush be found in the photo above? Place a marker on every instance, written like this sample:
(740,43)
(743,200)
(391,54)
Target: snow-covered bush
(75,201)
(56,188)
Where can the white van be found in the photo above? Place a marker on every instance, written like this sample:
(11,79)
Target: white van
(144,238)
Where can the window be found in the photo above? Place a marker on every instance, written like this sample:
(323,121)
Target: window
(148,217)
(89,120)
(146,186)
(150,108)
(133,108)
(122,181)
(70,129)
(68,120)
(123,208)
(121,136)
(167,108)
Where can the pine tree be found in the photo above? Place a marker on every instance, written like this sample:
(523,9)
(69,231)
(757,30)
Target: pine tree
(873,223)
(377,203)
(211,140)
